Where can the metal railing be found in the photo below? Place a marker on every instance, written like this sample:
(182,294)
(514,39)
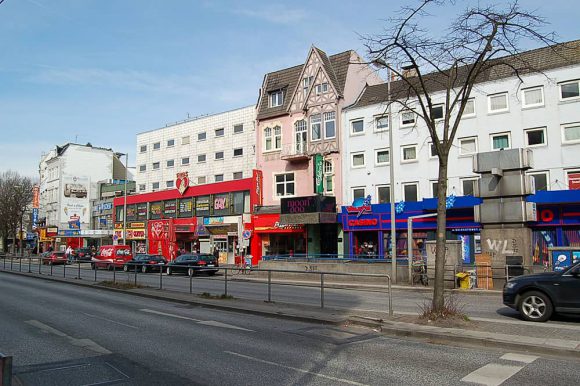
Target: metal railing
(5,370)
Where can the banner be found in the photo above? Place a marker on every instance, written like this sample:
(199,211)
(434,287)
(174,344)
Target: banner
(75,202)
(318,174)
(35,197)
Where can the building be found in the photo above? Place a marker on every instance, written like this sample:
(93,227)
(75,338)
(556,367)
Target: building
(542,114)
(299,114)
(69,177)
(102,227)
(210,148)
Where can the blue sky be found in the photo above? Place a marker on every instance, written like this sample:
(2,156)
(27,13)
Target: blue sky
(102,71)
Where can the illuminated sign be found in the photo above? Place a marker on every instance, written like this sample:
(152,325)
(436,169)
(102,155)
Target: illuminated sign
(182,182)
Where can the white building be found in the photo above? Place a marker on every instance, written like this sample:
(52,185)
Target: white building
(211,148)
(543,114)
(69,176)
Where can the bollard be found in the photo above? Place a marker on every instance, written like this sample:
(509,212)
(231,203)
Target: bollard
(190,284)
(226,283)
(390,297)
(135,275)
(64,270)
(95,268)
(79,264)
(269,286)
(114,274)
(321,290)
(20,265)
(39,266)
(29,264)
(160,278)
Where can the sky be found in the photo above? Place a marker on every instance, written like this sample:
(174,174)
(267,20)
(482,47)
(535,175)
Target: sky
(101,71)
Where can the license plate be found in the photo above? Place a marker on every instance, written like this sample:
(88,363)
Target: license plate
(210,265)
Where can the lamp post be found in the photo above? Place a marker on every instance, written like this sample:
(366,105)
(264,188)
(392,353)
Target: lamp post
(125,201)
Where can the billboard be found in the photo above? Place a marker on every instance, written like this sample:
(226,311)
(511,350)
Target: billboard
(75,202)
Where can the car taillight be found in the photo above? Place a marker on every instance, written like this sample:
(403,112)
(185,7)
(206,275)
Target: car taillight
(152,262)
(202,262)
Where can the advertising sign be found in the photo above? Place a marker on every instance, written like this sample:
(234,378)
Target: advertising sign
(310,204)
(575,257)
(135,234)
(202,206)
(561,260)
(156,209)
(185,207)
(169,208)
(574,181)
(318,174)
(182,182)
(75,201)
(35,197)
(34,217)
(142,211)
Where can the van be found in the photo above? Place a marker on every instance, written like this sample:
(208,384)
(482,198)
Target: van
(111,256)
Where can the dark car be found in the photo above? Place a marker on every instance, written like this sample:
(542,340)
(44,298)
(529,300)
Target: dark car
(193,263)
(145,263)
(538,296)
(83,254)
(52,258)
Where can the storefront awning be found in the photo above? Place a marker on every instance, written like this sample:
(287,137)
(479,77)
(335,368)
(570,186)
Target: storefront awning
(308,218)
(555,197)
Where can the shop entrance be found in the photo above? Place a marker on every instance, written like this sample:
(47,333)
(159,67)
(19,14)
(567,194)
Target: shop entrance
(366,244)
(285,244)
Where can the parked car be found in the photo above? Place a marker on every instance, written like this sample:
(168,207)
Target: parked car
(538,296)
(52,258)
(111,256)
(145,263)
(193,263)
(83,254)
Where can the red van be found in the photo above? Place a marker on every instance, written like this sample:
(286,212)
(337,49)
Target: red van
(110,256)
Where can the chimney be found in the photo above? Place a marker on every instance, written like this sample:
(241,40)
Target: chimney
(409,71)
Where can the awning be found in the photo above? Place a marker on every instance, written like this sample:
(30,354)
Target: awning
(308,218)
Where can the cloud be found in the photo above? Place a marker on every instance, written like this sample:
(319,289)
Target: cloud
(276,13)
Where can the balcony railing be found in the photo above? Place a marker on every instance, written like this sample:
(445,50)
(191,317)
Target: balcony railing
(295,152)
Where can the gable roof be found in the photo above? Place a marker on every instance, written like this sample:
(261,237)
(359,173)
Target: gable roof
(336,66)
(540,59)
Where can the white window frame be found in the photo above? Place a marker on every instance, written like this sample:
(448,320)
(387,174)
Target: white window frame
(358,188)
(563,130)
(410,184)
(183,161)
(167,166)
(215,177)
(276,137)
(325,120)
(570,98)
(432,186)
(472,179)
(142,148)
(239,131)
(321,88)
(204,133)
(507,103)
(402,113)
(268,135)
(472,100)
(525,105)
(442,106)
(275,191)
(377,151)
(238,155)
(201,180)
(241,175)
(328,172)
(381,129)
(172,141)
(403,160)
(142,187)
(155,163)
(185,140)
(431,155)
(544,172)
(223,155)
(157,146)
(276,98)
(222,129)
(204,158)
(315,119)
(382,186)
(568,172)
(352,155)
(306,83)
(544,129)
(169,184)
(493,135)
(153,186)
(352,121)
(461,154)
(142,168)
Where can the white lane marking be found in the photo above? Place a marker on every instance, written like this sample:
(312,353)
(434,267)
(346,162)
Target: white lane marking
(64,368)
(519,358)
(492,374)
(212,323)
(294,368)
(109,320)
(85,343)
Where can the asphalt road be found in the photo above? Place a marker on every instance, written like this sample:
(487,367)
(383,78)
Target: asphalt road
(63,334)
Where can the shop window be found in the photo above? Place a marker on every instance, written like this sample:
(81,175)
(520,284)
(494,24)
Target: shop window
(238,198)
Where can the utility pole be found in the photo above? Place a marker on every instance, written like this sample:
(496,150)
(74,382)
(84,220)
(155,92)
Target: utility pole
(125,201)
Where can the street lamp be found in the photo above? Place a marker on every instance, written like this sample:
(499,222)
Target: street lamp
(125,199)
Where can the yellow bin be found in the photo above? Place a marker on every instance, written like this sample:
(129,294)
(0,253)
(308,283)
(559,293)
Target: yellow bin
(463,280)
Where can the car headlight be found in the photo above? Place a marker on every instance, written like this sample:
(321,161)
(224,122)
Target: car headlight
(510,284)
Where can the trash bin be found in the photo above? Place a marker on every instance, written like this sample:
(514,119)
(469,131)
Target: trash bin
(463,279)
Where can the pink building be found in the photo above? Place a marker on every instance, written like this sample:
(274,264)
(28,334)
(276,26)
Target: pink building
(298,123)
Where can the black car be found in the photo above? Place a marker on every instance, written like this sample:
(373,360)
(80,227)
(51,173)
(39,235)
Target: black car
(83,254)
(145,263)
(192,263)
(538,296)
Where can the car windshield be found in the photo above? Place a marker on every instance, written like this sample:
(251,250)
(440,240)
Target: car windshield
(187,258)
(58,253)
(207,257)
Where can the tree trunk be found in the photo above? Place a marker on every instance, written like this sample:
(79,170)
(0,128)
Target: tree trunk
(439,286)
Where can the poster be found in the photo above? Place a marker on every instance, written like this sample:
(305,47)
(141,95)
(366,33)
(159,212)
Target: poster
(75,202)
(561,260)
(575,257)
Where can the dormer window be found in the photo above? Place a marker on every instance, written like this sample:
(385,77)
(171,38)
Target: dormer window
(306,83)
(276,98)
(321,88)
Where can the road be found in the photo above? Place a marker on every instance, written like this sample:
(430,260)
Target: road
(62,334)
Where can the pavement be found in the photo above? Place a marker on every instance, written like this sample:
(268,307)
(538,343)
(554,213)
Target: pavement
(553,339)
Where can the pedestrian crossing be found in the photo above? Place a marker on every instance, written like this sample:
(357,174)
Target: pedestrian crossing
(494,374)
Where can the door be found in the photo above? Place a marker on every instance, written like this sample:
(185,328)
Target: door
(568,290)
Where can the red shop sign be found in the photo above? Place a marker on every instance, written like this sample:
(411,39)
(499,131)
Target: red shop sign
(362,222)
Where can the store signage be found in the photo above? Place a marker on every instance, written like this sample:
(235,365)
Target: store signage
(360,206)
(169,208)
(118,225)
(363,222)
(310,204)
(103,206)
(258,188)
(202,204)
(51,231)
(574,181)
(213,220)
(137,225)
(74,222)
(156,209)
(184,228)
(185,207)
(34,217)
(35,197)
(182,182)
(69,233)
(220,203)
(142,211)
(136,234)
(278,225)
(318,174)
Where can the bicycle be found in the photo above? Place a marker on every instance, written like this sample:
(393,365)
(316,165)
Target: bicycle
(420,274)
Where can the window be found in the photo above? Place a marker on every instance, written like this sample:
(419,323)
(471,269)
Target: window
(142,168)
(407,118)
(533,97)
(469,110)
(157,146)
(141,187)
(382,157)
(382,123)
(170,142)
(155,185)
(432,150)
(185,161)
(238,152)
(219,155)
(201,180)
(437,112)
(201,158)
(272,138)
(321,88)
(238,175)
(185,140)
(201,136)
(357,126)
(498,103)
(170,163)
(329,125)
(284,184)
(143,148)
(238,128)
(409,153)
(357,160)
(573,178)
(569,90)
(219,132)
(434,188)
(535,137)
(411,191)
(315,127)
(500,141)
(267,139)
(306,82)
(541,180)
(155,165)
(358,193)
(277,137)
(467,146)
(328,169)
(276,98)
(218,177)
(169,184)
(571,133)
(384,194)
(468,186)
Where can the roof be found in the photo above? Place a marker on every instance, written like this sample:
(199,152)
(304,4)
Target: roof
(540,59)
(336,66)
(61,149)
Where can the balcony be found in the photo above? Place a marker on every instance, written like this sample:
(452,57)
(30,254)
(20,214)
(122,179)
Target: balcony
(295,152)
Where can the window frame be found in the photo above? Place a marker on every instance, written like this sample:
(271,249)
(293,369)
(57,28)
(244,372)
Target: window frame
(318,117)
(378,129)
(241,149)
(222,130)
(201,180)
(442,106)
(156,163)
(223,155)
(432,184)
(405,184)
(377,151)
(285,182)
(325,121)
(529,106)
(563,130)
(172,141)
(278,95)
(239,131)
(185,140)
(541,172)
(352,155)
(153,186)
(215,177)
(471,115)
(142,168)
(377,188)
(465,179)
(403,160)
(573,98)
(461,154)
(142,148)
(167,166)
(169,184)
(328,173)
(543,129)
(321,88)
(405,125)
(157,146)
(142,187)
(352,122)
(353,188)
(493,135)
(204,134)
(185,163)
(241,175)
(204,158)
(507,103)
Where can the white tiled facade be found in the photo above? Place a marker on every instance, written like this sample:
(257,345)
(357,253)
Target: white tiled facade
(214,148)
(523,124)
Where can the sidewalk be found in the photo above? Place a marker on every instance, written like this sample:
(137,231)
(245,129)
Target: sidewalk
(509,334)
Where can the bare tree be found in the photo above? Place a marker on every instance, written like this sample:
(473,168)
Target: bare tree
(15,197)
(483,43)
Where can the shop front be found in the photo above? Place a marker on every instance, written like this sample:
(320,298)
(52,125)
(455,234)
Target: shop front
(275,238)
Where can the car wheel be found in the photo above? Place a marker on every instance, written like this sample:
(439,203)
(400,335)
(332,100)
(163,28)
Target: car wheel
(168,271)
(190,272)
(126,268)
(211,273)
(144,269)
(535,307)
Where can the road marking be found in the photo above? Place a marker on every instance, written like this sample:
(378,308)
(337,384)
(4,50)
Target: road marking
(519,358)
(85,343)
(294,368)
(492,374)
(212,323)
(109,320)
